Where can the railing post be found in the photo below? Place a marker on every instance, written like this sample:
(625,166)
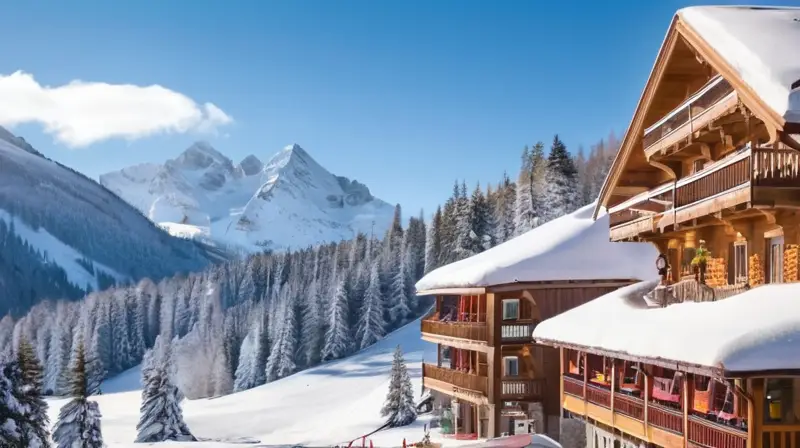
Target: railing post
(613,389)
(585,374)
(646,398)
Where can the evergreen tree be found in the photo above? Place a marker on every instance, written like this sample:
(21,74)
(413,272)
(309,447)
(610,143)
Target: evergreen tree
(433,242)
(371,326)
(244,378)
(562,183)
(337,337)
(12,412)
(399,406)
(161,416)
(78,422)
(399,303)
(313,335)
(34,428)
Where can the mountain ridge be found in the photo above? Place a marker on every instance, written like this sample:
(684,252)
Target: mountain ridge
(63,234)
(289,201)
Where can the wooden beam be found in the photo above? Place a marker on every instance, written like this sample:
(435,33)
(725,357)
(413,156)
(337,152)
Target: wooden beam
(623,190)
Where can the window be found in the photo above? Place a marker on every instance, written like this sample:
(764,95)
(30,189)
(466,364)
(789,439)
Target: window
(697,165)
(776,260)
(779,401)
(740,262)
(511,309)
(510,366)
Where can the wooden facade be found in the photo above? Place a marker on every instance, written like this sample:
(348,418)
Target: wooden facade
(650,401)
(709,174)
(487,359)
(705,160)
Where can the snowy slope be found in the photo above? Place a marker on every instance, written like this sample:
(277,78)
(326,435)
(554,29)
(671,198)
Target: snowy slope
(291,201)
(329,404)
(64,220)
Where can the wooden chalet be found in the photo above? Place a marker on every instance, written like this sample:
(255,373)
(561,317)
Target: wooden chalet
(487,307)
(709,173)
(723,374)
(711,154)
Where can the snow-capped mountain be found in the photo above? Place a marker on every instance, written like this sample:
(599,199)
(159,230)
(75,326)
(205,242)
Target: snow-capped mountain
(62,234)
(290,201)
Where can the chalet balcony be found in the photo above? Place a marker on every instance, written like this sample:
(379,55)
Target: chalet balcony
(466,335)
(522,389)
(473,388)
(517,333)
(710,102)
(750,175)
(699,431)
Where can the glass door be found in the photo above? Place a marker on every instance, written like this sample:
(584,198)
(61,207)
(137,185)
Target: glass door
(776,260)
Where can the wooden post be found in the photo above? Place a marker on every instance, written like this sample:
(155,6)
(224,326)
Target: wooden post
(438,355)
(646,395)
(755,413)
(494,360)
(686,397)
(585,373)
(613,388)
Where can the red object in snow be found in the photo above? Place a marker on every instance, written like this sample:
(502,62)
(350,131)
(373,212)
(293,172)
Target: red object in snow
(404,443)
(363,441)
(370,443)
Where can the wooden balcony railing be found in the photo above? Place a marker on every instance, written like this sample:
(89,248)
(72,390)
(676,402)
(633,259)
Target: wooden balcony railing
(630,406)
(456,378)
(694,113)
(776,167)
(517,332)
(573,387)
(714,182)
(474,331)
(665,418)
(705,433)
(598,396)
(522,388)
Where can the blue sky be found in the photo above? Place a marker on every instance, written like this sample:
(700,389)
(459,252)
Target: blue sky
(403,96)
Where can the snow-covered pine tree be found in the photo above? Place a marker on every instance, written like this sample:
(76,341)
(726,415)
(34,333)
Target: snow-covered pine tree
(480,237)
(244,377)
(11,410)
(337,337)
(399,406)
(34,428)
(161,417)
(433,242)
(524,213)
(562,182)
(78,422)
(281,359)
(399,302)
(371,326)
(505,210)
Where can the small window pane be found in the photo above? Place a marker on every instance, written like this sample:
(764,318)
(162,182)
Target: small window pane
(510,309)
(511,366)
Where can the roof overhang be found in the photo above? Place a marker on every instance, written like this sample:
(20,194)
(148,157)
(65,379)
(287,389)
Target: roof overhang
(508,287)
(678,29)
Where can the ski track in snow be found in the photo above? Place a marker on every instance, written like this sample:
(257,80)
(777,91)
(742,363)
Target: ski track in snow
(330,404)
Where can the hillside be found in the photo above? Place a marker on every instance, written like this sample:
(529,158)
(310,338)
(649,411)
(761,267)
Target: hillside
(62,234)
(290,201)
(326,405)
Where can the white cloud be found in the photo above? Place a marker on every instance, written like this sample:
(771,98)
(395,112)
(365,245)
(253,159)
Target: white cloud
(81,113)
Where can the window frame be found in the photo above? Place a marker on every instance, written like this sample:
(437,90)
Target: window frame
(740,262)
(506,364)
(508,302)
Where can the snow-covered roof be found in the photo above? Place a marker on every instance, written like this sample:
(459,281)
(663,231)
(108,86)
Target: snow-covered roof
(573,247)
(760,43)
(757,330)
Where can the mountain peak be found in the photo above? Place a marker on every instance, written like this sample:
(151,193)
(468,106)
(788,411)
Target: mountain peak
(201,155)
(251,165)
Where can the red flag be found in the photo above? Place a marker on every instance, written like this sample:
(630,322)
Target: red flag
(404,443)
(363,441)
(370,443)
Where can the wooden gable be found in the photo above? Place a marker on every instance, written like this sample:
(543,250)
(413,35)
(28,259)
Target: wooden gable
(685,62)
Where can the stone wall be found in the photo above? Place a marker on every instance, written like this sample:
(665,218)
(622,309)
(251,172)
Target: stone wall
(536,412)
